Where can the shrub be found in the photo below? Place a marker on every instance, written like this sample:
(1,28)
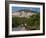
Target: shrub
(16,21)
(34,22)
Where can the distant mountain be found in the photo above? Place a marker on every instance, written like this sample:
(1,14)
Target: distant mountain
(27,10)
(35,12)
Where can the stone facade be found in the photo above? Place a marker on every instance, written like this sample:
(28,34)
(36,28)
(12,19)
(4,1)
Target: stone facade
(22,14)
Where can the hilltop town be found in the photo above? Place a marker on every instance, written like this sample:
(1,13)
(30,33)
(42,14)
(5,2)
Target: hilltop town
(23,13)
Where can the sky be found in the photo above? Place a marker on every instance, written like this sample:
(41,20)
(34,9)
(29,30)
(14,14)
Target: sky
(14,9)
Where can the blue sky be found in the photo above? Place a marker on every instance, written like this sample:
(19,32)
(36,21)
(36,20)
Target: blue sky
(14,9)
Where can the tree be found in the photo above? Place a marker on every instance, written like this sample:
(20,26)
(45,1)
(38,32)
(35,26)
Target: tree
(16,21)
(34,22)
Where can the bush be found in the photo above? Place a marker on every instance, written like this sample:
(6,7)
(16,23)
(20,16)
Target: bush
(16,21)
(34,22)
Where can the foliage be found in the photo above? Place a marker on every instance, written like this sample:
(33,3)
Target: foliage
(32,23)
(15,21)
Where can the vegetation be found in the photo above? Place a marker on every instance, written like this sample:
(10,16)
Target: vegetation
(16,21)
(33,22)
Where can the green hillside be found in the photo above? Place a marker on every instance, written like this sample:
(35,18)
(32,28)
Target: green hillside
(32,23)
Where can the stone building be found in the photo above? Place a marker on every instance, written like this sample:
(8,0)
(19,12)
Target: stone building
(23,13)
